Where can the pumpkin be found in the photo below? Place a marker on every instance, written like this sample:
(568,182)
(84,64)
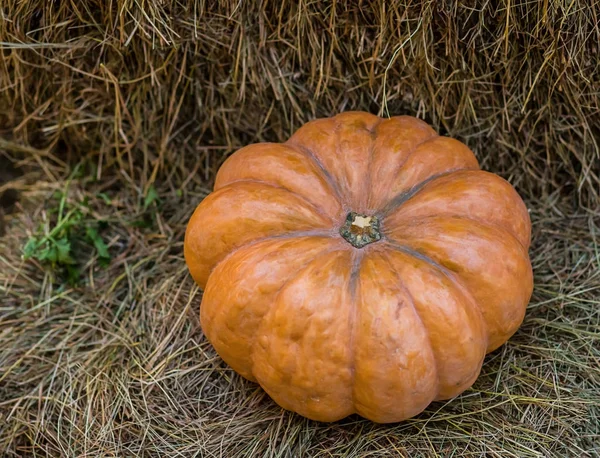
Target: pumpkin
(366,266)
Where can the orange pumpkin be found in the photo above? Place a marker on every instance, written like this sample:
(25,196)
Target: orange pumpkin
(366,265)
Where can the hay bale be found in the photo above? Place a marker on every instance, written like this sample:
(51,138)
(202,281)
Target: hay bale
(148,97)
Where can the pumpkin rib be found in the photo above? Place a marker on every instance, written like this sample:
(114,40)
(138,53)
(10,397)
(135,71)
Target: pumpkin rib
(254,211)
(336,133)
(369,178)
(248,163)
(287,235)
(496,335)
(396,201)
(340,144)
(395,372)
(449,273)
(440,301)
(210,319)
(411,152)
(414,307)
(486,224)
(357,258)
(397,140)
(435,155)
(326,175)
(281,288)
(361,204)
(304,266)
(275,300)
(415,254)
(293,276)
(318,209)
(416,191)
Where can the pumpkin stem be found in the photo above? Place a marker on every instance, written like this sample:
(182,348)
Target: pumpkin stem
(360,230)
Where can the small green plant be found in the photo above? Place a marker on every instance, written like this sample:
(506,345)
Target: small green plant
(147,218)
(151,196)
(61,243)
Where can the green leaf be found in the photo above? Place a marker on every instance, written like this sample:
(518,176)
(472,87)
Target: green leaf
(63,252)
(105,198)
(99,244)
(77,172)
(48,253)
(102,249)
(151,196)
(73,275)
(91,233)
(30,248)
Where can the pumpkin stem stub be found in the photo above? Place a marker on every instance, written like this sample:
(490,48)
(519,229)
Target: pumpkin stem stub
(360,230)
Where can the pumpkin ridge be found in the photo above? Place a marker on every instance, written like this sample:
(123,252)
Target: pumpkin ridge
(405,196)
(283,165)
(414,253)
(336,132)
(291,278)
(481,222)
(260,211)
(353,284)
(287,235)
(218,315)
(410,153)
(214,268)
(399,199)
(449,273)
(408,156)
(338,140)
(414,307)
(316,207)
(369,178)
(500,238)
(326,175)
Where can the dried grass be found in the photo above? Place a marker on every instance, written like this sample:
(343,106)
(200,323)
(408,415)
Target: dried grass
(149,97)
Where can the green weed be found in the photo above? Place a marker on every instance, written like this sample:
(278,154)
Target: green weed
(68,238)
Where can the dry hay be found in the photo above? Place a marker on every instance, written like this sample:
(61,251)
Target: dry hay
(116,114)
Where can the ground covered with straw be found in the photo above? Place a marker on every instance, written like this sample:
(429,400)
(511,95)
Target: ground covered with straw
(114,117)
